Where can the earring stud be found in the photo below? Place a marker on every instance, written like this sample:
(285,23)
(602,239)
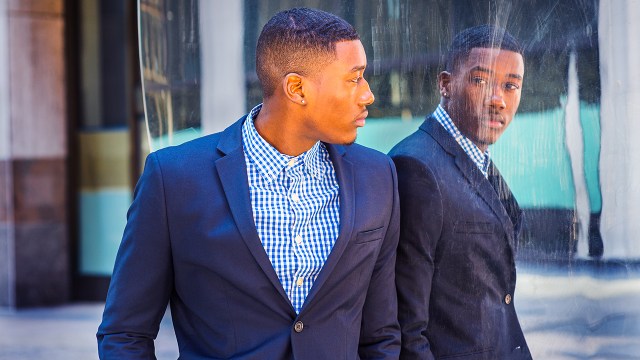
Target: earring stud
(302,101)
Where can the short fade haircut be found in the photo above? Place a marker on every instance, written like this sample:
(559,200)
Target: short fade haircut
(299,40)
(482,36)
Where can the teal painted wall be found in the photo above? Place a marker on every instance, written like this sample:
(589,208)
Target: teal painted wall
(101,226)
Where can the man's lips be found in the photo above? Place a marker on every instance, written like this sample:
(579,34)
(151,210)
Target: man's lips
(494,121)
(360,120)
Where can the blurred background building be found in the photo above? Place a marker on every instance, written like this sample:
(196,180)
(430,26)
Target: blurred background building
(69,107)
(74,82)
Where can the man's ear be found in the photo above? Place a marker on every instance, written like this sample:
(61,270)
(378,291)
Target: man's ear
(293,88)
(444,84)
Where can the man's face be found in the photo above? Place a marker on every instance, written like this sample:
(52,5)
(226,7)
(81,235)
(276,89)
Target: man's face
(337,96)
(484,93)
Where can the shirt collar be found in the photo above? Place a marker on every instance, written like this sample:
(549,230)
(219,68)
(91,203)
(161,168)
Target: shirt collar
(270,162)
(481,159)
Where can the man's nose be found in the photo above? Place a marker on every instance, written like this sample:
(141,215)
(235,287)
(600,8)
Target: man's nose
(367,98)
(496,97)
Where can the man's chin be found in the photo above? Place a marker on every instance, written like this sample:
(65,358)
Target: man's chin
(490,137)
(345,142)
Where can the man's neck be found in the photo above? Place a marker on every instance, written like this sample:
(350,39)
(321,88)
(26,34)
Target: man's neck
(279,125)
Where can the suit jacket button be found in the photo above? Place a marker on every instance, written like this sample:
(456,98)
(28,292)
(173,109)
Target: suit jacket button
(298,327)
(507,299)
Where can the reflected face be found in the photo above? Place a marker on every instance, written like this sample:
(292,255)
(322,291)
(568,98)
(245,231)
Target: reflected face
(484,93)
(337,96)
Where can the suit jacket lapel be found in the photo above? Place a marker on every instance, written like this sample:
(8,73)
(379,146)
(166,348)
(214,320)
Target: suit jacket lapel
(507,199)
(472,174)
(344,174)
(233,176)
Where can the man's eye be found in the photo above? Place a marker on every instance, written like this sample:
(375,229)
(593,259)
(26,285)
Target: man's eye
(357,79)
(512,86)
(478,80)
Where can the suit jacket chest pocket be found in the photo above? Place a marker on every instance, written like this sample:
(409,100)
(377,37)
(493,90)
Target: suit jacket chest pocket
(362,255)
(475,240)
(369,236)
(474,227)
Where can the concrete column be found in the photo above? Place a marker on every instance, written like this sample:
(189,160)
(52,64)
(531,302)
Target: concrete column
(33,121)
(223,87)
(618,31)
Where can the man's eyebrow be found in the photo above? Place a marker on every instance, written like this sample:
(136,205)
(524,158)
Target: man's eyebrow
(358,68)
(480,68)
(483,69)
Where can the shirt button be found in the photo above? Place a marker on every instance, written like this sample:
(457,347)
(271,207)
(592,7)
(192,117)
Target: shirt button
(298,239)
(300,282)
(295,198)
(298,327)
(291,162)
(507,299)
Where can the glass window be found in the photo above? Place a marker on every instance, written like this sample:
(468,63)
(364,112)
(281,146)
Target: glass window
(568,156)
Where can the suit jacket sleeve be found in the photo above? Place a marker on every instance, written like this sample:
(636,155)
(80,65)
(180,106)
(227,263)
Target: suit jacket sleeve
(380,333)
(142,278)
(421,224)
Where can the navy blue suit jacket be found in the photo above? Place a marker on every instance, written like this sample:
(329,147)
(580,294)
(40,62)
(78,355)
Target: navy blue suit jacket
(455,269)
(191,241)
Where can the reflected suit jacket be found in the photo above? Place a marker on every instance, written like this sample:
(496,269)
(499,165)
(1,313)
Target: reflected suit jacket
(455,269)
(191,241)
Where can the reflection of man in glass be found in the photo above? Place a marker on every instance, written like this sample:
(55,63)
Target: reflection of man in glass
(268,241)
(455,268)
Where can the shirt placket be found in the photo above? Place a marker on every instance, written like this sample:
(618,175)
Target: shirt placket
(298,233)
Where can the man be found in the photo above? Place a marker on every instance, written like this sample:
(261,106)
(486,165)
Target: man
(459,224)
(267,240)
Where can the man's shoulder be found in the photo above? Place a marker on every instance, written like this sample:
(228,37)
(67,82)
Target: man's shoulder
(422,152)
(202,147)
(420,144)
(360,153)
(369,160)
(366,161)
(205,147)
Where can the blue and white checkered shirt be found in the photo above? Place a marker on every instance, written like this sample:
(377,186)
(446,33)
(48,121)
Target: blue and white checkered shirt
(295,206)
(479,158)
